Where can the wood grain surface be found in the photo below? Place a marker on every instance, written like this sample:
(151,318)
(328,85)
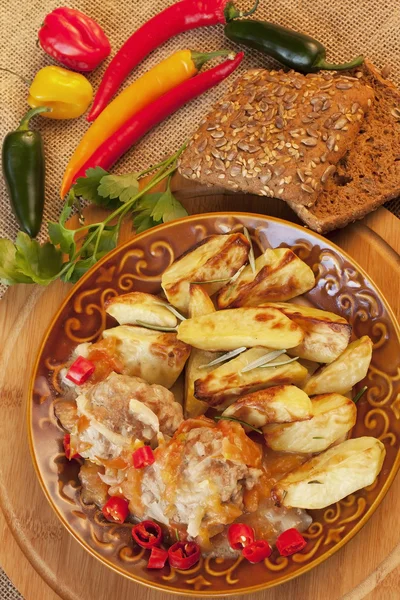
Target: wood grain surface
(42,558)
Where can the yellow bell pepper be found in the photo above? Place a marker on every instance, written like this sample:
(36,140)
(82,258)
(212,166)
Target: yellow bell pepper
(67,93)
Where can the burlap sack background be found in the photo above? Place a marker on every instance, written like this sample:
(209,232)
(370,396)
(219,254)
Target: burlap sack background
(346,27)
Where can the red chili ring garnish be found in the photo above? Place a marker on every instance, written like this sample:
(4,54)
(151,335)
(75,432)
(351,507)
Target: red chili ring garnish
(257,551)
(290,542)
(183,555)
(147,534)
(80,370)
(116,509)
(143,457)
(158,558)
(67,448)
(240,535)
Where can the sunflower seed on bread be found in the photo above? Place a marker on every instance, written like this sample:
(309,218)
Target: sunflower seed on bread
(278,134)
(368,175)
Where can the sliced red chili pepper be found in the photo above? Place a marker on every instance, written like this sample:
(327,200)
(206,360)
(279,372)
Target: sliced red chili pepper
(183,555)
(143,457)
(240,535)
(290,542)
(147,118)
(158,558)
(147,534)
(257,551)
(80,370)
(67,447)
(116,509)
(181,16)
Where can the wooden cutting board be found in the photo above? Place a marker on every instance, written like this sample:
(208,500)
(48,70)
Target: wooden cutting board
(43,559)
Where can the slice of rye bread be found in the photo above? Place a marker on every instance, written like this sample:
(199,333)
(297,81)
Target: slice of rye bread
(369,173)
(278,134)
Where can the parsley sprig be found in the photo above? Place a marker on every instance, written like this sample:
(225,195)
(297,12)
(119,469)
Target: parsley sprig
(28,261)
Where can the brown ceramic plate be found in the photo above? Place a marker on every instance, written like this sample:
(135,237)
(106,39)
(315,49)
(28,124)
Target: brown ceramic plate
(342,287)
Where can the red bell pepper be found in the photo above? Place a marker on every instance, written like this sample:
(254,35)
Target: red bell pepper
(143,457)
(183,555)
(257,551)
(182,16)
(290,542)
(137,126)
(80,370)
(116,509)
(147,534)
(158,558)
(74,39)
(240,535)
(67,448)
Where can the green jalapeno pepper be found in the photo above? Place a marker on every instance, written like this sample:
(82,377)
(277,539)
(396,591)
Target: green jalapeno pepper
(24,173)
(293,49)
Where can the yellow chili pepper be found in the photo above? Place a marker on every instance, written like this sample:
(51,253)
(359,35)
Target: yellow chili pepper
(67,93)
(160,79)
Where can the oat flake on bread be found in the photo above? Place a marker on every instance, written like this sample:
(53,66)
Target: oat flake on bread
(278,134)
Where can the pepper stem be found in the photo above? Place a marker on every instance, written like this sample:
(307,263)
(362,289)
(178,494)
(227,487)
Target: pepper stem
(231,12)
(199,58)
(322,64)
(24,124)
(25,81)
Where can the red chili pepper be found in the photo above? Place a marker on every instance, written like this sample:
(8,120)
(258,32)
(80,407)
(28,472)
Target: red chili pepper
(143,457)
(74,39)
(182,16)
(158,558)
(136,127)
(116,509)
(240,535)
(67,448)
(290,542)
(80,370)
(147,534)
(183,555)
(257,551)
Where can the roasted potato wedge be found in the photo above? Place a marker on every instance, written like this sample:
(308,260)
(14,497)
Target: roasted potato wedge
(343,373)
(217,257)
(249,327)
(138,306)
(326,335)
(278,404)
(224,384)
(333,475)
(280,275)
(334,416)
(155,356)
(199,304)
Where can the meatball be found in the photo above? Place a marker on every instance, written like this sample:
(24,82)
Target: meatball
(113,414)
(198,478)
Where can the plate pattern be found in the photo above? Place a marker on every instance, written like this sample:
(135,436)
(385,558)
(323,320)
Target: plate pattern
(341,287)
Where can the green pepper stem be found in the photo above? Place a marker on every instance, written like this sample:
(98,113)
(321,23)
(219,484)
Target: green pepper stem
(322,64)
(199,58)
(24,124)
(231,12)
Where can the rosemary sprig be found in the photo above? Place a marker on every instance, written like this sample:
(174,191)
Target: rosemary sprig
(227,418)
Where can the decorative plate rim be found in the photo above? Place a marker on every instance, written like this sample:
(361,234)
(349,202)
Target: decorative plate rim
(159,586)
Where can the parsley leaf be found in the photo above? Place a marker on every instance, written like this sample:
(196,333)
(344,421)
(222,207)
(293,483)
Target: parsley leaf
(143,209)
(59,234)
(87,186)
(40,263)
(168,208)
(123,187)
(9,272)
